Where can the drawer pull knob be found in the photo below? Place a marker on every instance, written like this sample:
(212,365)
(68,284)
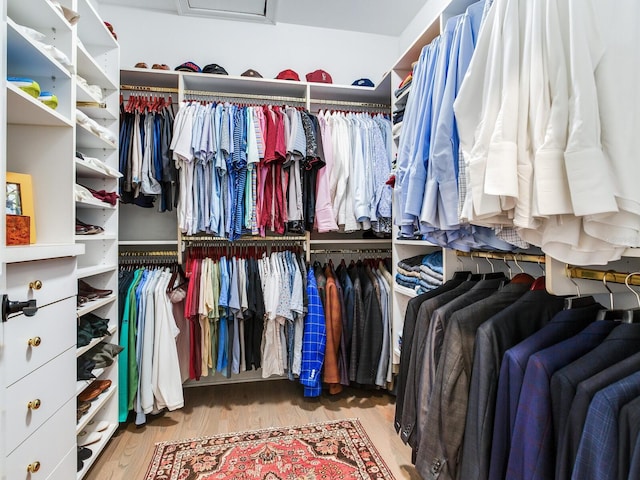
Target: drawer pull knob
(33,467)
(34,404)
(36,285)
(28,308)
(35,342)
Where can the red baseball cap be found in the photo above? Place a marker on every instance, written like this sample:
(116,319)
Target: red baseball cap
(288,75)
(319,76)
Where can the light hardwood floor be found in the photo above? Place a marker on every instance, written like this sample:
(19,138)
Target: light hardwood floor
(247,406)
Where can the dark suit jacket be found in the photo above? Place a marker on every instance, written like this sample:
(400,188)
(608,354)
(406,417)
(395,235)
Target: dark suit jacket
(628,434)
(371,339)
(409,433)
(598,451)
(357,332)
(568,446)
(634,470)
(442,433)
(502,331)
(564,325)
(532,454)
(621,343)
(408,330)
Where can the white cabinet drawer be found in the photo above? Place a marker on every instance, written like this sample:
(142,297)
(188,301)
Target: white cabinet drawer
(54,327)
(46,389)
(67,468)
(57,280)
(47,446)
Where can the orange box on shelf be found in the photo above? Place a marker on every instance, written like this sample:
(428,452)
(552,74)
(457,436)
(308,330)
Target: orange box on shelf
(18,230)
(19,202)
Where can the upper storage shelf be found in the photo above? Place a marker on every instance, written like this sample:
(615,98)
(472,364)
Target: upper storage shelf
(94,34)
(39,15)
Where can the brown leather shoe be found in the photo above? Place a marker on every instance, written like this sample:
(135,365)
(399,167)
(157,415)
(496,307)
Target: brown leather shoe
(92,391)
(87,290)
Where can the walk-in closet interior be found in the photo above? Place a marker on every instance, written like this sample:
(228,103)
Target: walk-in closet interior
(283,239)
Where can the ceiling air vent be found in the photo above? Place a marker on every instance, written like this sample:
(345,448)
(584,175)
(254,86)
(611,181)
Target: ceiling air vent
(245,10)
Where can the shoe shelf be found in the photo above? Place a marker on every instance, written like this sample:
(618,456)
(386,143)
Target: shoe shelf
(96,448)
(94,270)
(82,384)
(23,109)
(94,204)
(85,169)
(96,237)
(96,406)
(406,291)
(92,305)
(93,343)
(89,69)
(99,111)
(86,138)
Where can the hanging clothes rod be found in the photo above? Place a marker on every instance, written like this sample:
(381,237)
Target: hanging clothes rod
(349,250)
(609,276)
(521,257)
(284,238)
(244,96)
(139,253)
(147,88)
(349,103)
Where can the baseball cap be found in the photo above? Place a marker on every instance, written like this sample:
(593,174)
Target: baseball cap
(251,73)
(188,67)
(363,82)
(288,75)
(319,76)
(215,69)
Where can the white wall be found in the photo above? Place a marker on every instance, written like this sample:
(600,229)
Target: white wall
(425,17)
(156,37)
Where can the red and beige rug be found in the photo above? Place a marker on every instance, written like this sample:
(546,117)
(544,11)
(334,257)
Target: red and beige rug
(329,450)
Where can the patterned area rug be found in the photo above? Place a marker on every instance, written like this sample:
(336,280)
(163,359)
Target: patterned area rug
(329,450)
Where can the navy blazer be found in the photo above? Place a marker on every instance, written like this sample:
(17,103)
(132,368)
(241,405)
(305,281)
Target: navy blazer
(502,331)
(621,343)
(628,435)
(634,471)
(597,457)
(532,454)
(564,325)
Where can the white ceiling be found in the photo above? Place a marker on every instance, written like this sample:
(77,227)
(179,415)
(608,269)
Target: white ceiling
(385,17)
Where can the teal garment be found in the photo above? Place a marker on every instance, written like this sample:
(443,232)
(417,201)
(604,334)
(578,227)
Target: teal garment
(123,357)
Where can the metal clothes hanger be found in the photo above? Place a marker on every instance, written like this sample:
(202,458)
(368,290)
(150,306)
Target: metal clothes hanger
(577,301)
(634,313)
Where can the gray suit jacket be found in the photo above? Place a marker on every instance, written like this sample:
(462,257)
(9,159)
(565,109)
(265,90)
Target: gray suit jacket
(408,432)
(494,337)
(408,331)
(443,429)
